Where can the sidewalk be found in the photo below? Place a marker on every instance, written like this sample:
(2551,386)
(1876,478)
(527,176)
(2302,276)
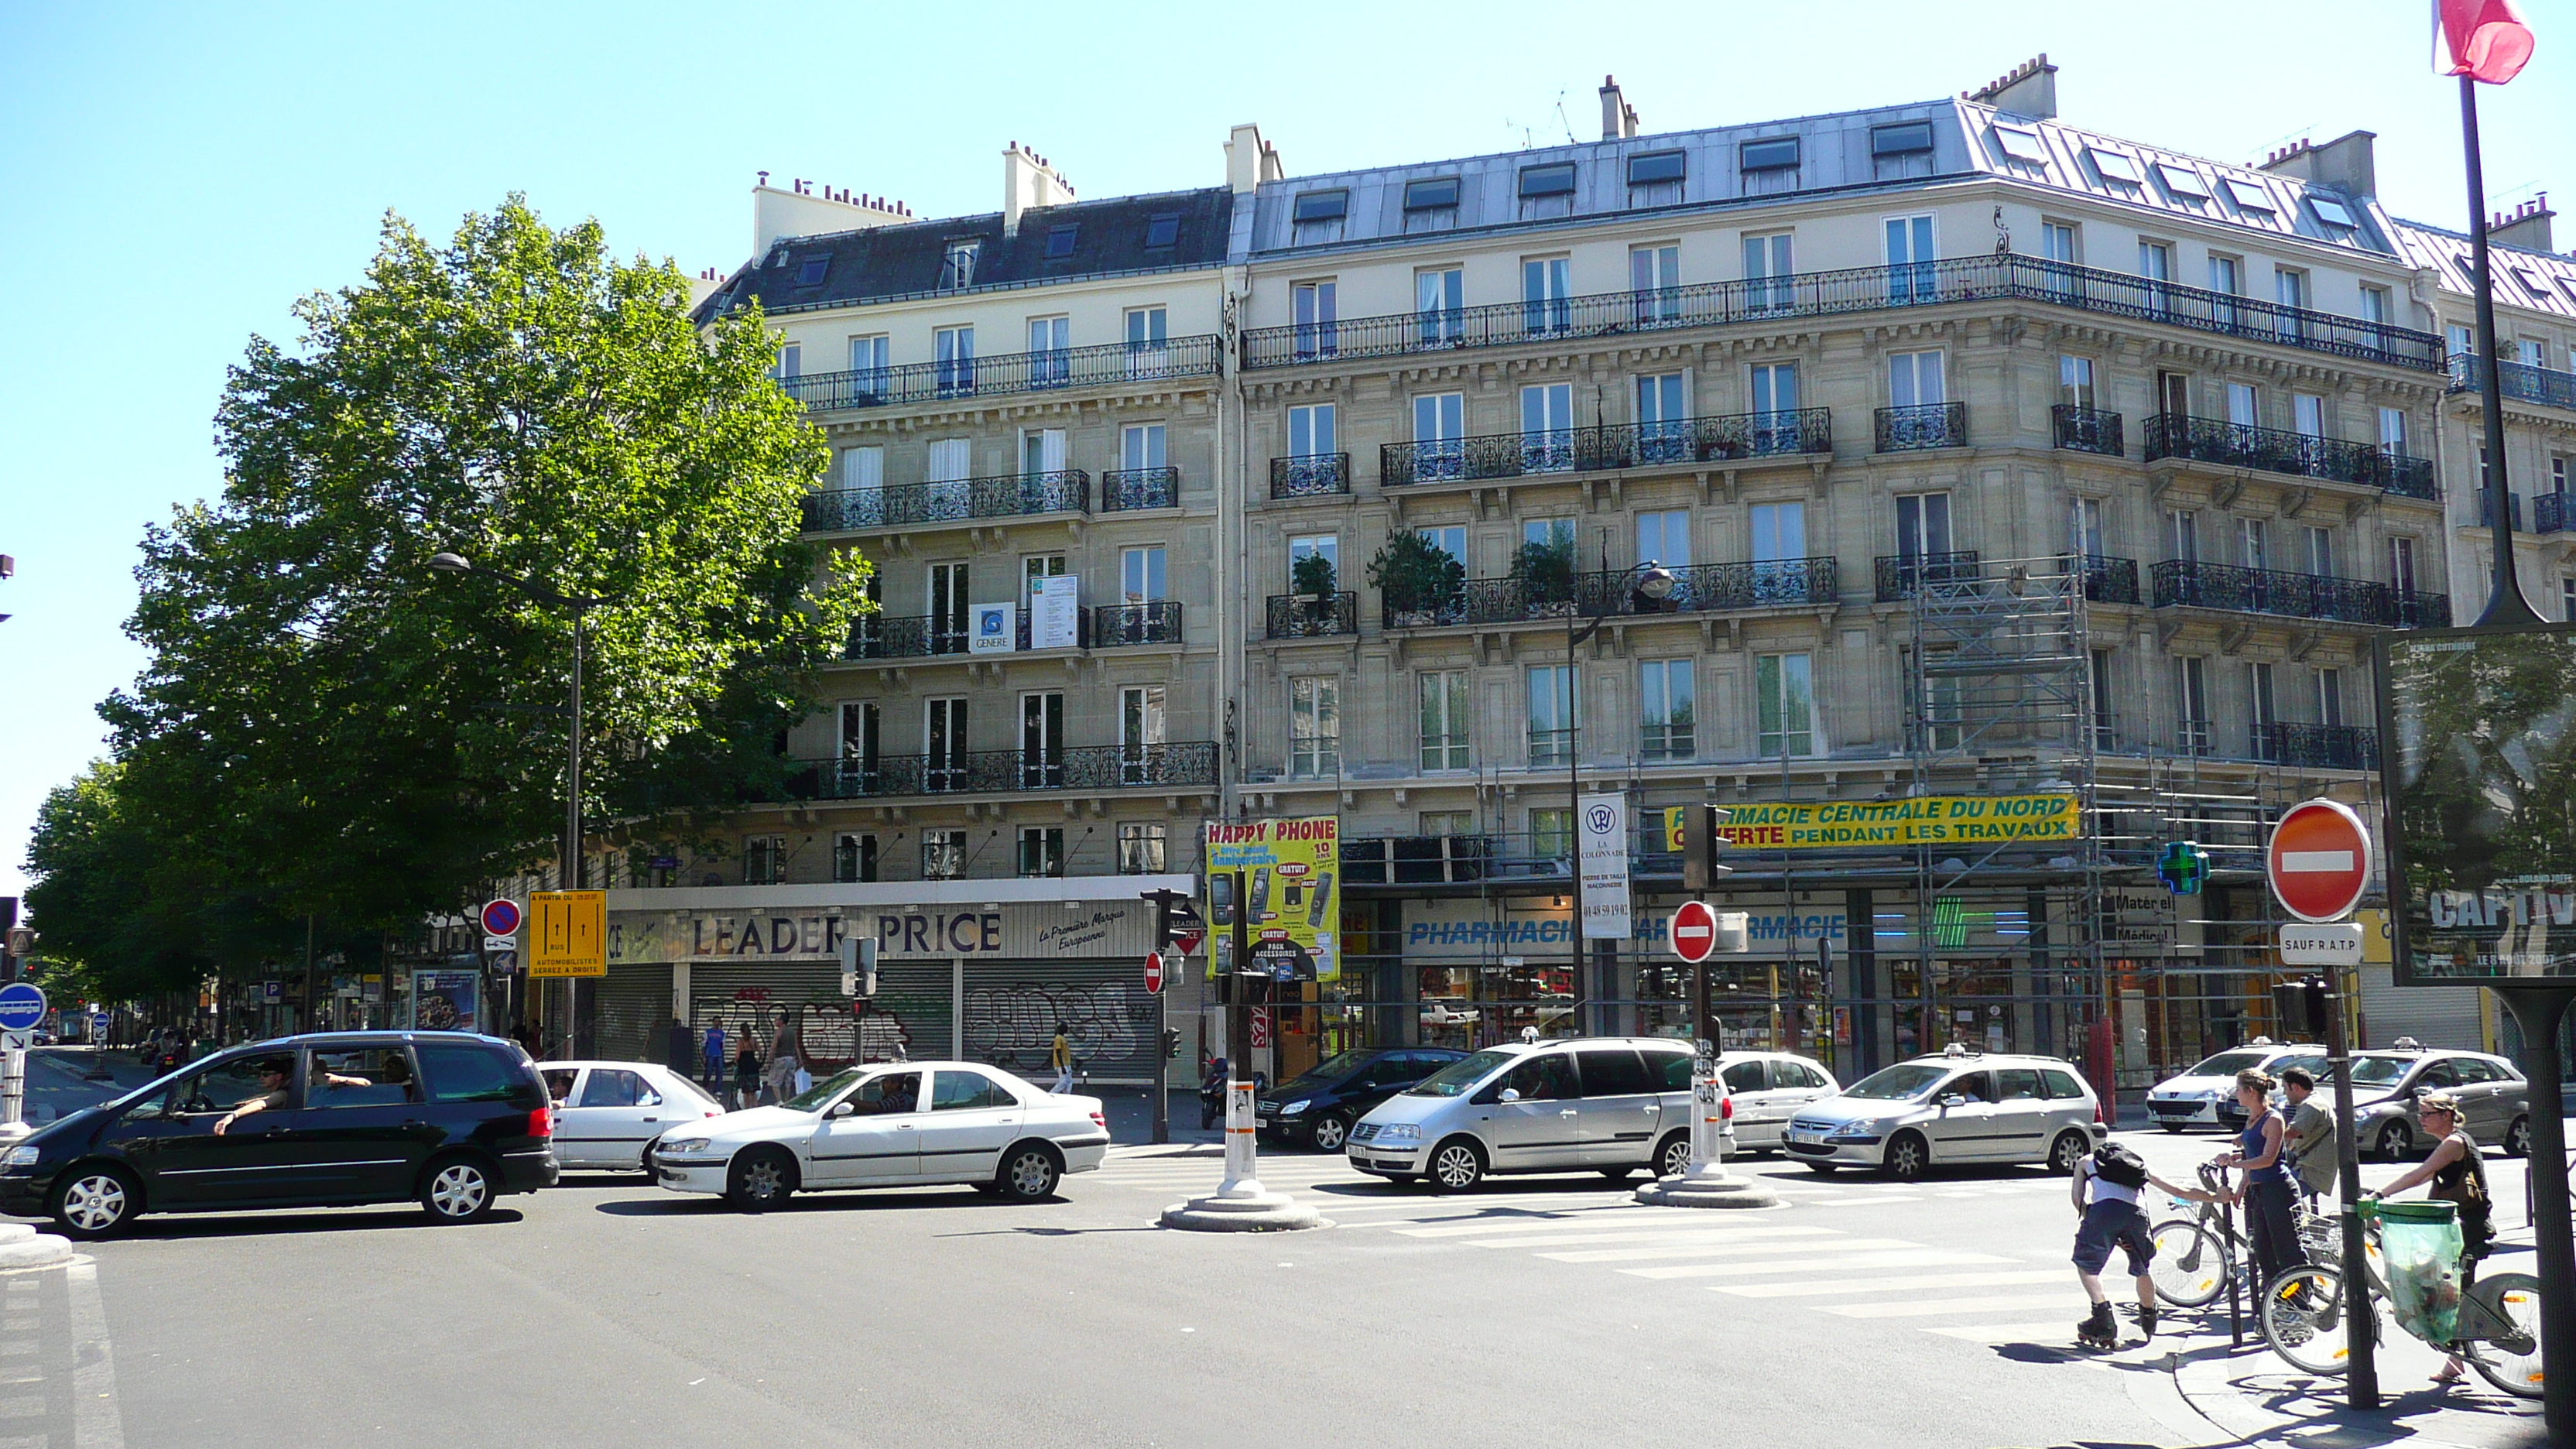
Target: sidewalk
(2256,1398)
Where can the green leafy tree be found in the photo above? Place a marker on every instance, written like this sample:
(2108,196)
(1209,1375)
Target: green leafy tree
(1416,575)
(374,741)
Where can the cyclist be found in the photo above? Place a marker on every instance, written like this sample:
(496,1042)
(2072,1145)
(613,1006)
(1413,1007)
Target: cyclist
(2268,1186)
(2458,1173)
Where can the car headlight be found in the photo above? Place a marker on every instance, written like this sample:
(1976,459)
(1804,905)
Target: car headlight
(1293,1108)
(25,1155)
(684,1144)
(1868,1128)
(1400,1132)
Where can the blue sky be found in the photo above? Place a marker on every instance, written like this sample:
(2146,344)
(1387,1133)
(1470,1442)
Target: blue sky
(173,177)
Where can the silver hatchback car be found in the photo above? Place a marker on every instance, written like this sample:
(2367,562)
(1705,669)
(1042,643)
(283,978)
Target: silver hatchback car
(1604,1104)
(1956,1107)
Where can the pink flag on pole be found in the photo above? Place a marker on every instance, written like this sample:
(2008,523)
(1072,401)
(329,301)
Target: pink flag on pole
(2484,40)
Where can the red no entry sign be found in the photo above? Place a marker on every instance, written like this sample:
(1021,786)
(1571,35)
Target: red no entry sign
(2319,860)
(1694,931)
(1153,971)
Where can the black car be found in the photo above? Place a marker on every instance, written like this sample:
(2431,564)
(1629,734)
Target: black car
(1319,1107)
(448,1119)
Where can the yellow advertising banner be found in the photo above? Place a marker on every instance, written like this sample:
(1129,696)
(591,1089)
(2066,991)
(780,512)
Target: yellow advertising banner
(1880,824)
(1290,867)
(567,933)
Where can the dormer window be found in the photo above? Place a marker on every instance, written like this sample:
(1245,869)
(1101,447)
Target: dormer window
(1162,229)
(1330,205)
(1060,240)
(2117,167)
(809,272)
(1555,179)
(1433,193)
(2183,182)
(1777,154)
(1903,139)
(2022,145)
(2332,213)
(2249,195)
(957,264)
(1658,167)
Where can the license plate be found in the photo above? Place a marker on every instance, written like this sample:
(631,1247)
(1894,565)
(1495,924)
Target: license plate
(1806,1134)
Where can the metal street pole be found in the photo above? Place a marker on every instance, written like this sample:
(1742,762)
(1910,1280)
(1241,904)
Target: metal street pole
(2539,1012)
(1242,1170)
(2505,603)
(2361,1335)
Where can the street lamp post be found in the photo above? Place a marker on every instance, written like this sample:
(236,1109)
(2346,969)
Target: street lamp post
(1651,583)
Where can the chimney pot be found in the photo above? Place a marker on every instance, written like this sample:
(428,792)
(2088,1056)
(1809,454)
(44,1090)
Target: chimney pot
(764,178)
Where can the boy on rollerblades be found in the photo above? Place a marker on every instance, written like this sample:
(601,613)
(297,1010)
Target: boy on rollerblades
(2105,1191)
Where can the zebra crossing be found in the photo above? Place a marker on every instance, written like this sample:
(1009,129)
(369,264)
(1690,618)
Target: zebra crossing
(57,1371)
(1846,1267)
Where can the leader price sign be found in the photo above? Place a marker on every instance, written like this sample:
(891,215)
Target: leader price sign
(2318,860)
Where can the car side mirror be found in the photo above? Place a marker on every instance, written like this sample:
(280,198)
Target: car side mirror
(844,1109)
(1954,1100)
(1510,1095)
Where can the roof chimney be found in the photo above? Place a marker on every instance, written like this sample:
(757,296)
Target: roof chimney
(1028,183)
(2344,163)
(1618,118)
(2029,89)
(2526,226)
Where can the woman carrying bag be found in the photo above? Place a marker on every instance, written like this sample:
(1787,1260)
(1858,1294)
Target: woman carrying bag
(2458,1174)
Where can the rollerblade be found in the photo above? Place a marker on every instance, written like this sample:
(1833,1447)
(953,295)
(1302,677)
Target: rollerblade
(2099,1331)
(2147,1316)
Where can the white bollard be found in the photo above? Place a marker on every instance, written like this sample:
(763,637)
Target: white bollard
(13,1087)
(1242,1150)
(1706,1182)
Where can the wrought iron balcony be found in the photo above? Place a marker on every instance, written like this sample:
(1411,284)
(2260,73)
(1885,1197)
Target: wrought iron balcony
(1012,372)
(928,636)
(2549,513)
(2318,747)
(904,505)
(2110,580)
(1310,475)
(1857,289)
(2184,584)
(1419,859)
(2517,380)
(2238,445)
(1679,441)
(2088,430)
(1117,625)
(1697,588)
(1125,490)
(1926,425)
(1313,616)
(993,772)
(2486,508)
(1902,575)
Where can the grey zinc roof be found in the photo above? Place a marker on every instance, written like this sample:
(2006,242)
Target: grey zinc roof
(2539,281)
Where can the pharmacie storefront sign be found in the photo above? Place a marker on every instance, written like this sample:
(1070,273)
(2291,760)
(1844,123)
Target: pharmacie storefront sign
(1462,931)
(1881,824)
(814,933)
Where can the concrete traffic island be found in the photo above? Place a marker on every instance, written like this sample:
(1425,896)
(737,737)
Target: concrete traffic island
(1255,1211)
(1708,1185)
(23,1247)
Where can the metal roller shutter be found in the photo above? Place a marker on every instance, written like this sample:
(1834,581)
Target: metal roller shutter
(748,1000)
(2437,1016)
(630,1013)
(1013,1009)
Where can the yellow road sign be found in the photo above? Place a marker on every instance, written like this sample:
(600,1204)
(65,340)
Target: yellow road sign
(567,933)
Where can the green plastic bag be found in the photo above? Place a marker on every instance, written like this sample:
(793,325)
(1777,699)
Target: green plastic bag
(2421,1244)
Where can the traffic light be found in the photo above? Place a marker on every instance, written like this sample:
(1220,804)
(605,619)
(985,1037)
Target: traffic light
(1171,1042)
(1177,927)
(2303,1007)
(1701,842)
(858,966)
(2184,867)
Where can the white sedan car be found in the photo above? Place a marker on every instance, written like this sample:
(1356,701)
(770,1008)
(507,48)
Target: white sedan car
(890,1124)
(605,1112)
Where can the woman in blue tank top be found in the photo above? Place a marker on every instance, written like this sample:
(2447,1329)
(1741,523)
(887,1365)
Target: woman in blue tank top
(2268,1185)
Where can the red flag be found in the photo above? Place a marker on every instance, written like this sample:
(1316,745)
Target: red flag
(2482,39)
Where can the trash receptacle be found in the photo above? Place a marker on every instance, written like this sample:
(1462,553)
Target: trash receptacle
(2420,1242)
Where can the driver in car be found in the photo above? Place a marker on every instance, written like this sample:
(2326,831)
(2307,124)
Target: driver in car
(274,1073)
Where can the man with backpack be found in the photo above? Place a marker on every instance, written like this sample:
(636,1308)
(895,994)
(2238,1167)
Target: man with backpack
(2105,1190)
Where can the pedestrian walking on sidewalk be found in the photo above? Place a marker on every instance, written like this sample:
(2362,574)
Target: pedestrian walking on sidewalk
(1060,1057)
(2268,1185)
(746,1077)
(2105,1192)
(782,1060)
(2311,1139)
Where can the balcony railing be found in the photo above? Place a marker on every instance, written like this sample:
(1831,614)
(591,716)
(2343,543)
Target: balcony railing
(928,636)
(1310,475)
(2183,584)
(2517,380)
(2238,445)
(1419,859)
(987,772)
(1680,441)
(1124,490)
(1926,425)
(1857,289)
(1773,584)
(1117,625)
(1011,372)
(904,505)
(2088,430)
(2549,513)
(1311,616)
(2318,747)
(1901,576)
(2110,580)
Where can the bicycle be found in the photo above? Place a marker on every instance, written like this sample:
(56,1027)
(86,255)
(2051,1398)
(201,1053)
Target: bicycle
(2194,1263)
(2303,1319)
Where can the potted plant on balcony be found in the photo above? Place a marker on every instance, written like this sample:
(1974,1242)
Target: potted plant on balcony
(1544,569)
(1418,579)
(1311,579)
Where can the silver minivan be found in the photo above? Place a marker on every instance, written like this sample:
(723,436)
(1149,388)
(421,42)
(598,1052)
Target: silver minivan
(1602,1104)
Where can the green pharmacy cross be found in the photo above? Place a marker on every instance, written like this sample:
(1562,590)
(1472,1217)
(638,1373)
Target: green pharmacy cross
(2184,867)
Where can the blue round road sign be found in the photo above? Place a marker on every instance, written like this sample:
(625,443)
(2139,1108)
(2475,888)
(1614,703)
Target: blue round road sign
(21,1006)
(501,917)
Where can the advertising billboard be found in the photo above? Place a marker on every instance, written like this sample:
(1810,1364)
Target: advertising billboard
(1880,824)
(1291,890)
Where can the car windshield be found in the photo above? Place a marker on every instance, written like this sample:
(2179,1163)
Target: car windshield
(822,1092)
(2226,1064)
(1897,1083)
(1460,1076)
(1335,1069)
(2378,1071)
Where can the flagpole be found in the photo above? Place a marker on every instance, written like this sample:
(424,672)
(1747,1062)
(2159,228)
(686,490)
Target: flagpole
(2505,603)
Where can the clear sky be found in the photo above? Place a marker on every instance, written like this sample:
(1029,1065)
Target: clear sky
(172,177)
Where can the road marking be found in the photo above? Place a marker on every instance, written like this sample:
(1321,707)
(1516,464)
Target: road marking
(2073,1299)
(97,1423)
(1869,1201)
(1715,1245)
(1835,1286)
(1651,1233)
(2007,1332)
(1607,1217)
(1577,1201)
(1834,1261)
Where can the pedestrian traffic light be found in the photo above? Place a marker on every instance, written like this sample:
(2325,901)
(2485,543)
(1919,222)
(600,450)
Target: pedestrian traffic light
(2304,1008)
(2184,867)
(1171,1041)
(858,966)
(1701,842)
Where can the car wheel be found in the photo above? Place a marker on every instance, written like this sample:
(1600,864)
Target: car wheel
(2517,1138)
(1672,1157)
(1330,1133)
(1456,1165)
(1029,1173)
(2066,1151)
(760,1179)
(1908,1157)
(456,1190)
(2396,1140)
(96,1202)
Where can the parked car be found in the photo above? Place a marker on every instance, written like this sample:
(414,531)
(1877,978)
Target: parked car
(606,1112)
(2201,1096)
(449,1119)
(1959,1106)
(1769,1088)
(2495,1100)
(1605,1104)
(1319,1107)
(889,1125)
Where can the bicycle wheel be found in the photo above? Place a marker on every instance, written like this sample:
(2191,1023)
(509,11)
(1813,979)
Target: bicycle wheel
(2302,1317)
(2510,1362)
(2190,1269)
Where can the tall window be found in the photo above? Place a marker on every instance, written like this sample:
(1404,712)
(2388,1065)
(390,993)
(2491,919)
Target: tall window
(764,859)
(1042,740)
(862,724)
(1311,430)
(1318,317)
(1551,714)
(2374,304)
(1140,574)
(1042,452)
(1547,427)
(2401,565)
(1546,293)
(791,361)
(1049,340)
(854,857)
(1439,430)
(2463,339)
(1551,832)
(2191,703)
(2057,242)
(1775,408)
(1148,330)
(868,360)
(2087,528)
(2330,698)
(1780,552)
(954,347)
(1142,848)
(943,854)
(1325,546)
(2155,264)
(2567,599)
(1909,260)
(1036,566)
(957,264)
(1440,305)
(1438,823)
(2253,543)
(2290,289)
(1914,379)
(1450,539)
(948,590)
(1140,446)
(863,471)
(2321,552)
(1314,726)
(1141,732)
(1663,412)
(2173,393)
(2105,734)
(1665,712)
(2182,535)
(1784,689)
(945,733)
(1041,850)
(2075,382)
(2308,414)
(2244,405)
(1768,268)
(1655,277)
(1922,526)
(2261,714)
(1442,699)
(1663,536)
